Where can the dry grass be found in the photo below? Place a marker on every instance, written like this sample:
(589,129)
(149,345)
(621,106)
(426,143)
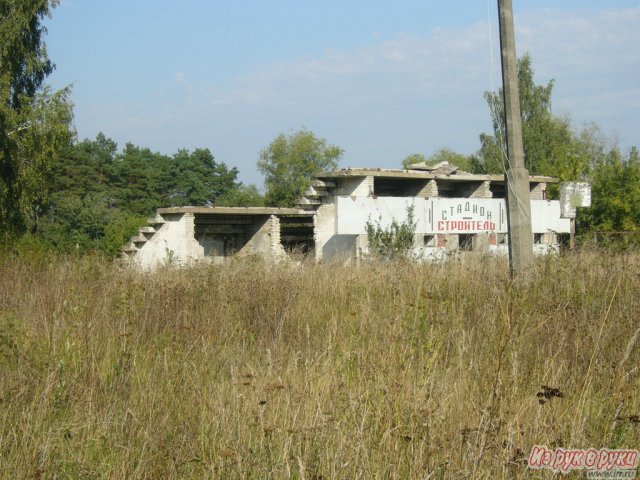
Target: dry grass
(316,372)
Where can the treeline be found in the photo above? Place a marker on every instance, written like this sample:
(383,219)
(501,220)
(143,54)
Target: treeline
(99,196)
(614,215)
(96,196)
(554,147)
(64,195)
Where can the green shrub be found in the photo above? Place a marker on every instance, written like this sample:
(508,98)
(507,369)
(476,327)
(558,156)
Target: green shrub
(393,242)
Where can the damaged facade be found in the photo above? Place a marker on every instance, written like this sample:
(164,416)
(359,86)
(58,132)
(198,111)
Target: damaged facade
(455,212)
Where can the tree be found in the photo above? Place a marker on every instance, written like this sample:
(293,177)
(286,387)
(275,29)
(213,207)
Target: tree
(140,180)
(413,158)
(83,203)
(84,167)
(242,196)
(290,163)
(101,196)
(550,146)
(35,123)
(199,179)
(615,184)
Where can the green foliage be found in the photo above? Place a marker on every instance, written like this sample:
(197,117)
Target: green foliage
(33,250)
(35,123)
(550,146)
(290,163)
(393,242)
(74,222)
(24,63)
(242,196)
(615,196)
(85,167)
(199,179)
(101,196)
(120,228)
(141,179)
(413,158)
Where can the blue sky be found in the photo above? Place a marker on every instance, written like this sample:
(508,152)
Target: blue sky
(380,79)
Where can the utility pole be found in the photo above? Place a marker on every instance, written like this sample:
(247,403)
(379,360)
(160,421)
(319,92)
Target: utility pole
(517,177)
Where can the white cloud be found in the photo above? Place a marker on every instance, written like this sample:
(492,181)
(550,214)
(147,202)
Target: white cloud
(588,39)
(594,59)
(396,96)
(181,80)
(564,45)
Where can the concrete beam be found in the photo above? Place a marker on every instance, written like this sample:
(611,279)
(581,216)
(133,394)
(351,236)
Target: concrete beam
(224,219)
(391,173)
(219,229)
(232,210)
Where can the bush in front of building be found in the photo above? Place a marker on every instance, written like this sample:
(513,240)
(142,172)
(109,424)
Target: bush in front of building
(393,242)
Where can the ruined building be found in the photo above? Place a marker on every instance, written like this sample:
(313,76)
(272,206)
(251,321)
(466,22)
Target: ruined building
(455,212)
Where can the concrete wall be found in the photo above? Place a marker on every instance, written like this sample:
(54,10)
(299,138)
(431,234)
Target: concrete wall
(340,224)
(174,243)
(438,215)
(353,213)
(324,227)
(545,217)
(355,186)
(328,243)
(276,250)
(258,238)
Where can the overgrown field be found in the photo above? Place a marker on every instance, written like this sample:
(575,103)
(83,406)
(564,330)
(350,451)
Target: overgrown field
(317,371)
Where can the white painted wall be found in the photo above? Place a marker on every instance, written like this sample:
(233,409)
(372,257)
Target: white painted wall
(545,216)
(443,215)
(330,243)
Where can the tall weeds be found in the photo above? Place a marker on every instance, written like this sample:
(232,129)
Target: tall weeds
(377,370)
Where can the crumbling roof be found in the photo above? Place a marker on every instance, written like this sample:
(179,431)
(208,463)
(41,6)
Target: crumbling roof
(444,167)
(456,175)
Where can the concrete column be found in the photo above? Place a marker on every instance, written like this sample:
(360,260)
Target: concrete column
(277,250)
(517,177)
(429,190)
(519,220)
(482,191)
(538,191)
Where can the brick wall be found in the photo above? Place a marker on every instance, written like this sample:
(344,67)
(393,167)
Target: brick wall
(277,250)
(429,190)
(538,191)
(482,191)
(173,242)
(354,186)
